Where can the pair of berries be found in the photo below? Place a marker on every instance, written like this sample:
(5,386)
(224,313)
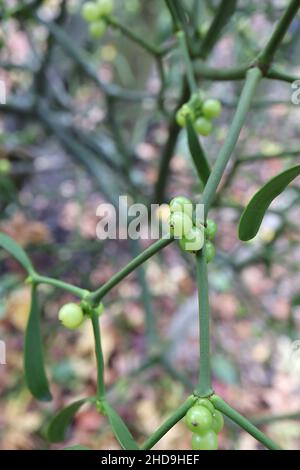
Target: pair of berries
(192,235)
(72,315)
(96,13)
(206,423)
(201,112)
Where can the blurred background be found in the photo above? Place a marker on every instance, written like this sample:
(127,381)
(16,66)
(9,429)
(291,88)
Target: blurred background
(86,120)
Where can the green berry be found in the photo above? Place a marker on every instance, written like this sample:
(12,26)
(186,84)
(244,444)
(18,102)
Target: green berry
(182,114)
(180,224)
(193,241)
(90,11)
(218,422)
(210,252)
(182,204)
(100,309)
(105,7)
(207,403)
(211,229)
(203,126)
(205,441)
(71,316)
(97,29)
(211,108)
(5,166)
(198,419)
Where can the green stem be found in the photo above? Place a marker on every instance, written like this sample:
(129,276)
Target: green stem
(169,148)
(137,261)
(153,50)
(205,71)
(224,12)
(204,387)
(188,63)
(82,293)
(243,422)
(252,79)
(266,56)
(169,423)
(275,74)
(174,15)
(99,356)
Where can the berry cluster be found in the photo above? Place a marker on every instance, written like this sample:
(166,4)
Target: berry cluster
(206,423)
(192,234)
(201,112)
(96,13)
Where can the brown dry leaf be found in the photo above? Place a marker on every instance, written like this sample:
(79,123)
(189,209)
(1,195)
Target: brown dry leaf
(18,307)
(25,231)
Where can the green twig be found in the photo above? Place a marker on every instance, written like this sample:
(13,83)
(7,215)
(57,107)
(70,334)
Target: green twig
(243,422)
(212,73)
(169,423)
(204,387)
(140,259)
(169,148)
(153,50)
(252,79)
(174,15)
(81,293)
(266,56)
(224,13)
(187,60)
(99,356)
(276,74)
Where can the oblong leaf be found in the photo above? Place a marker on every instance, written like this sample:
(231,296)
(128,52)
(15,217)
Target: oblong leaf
(58,426)
(35,374)
(197,153)
(253,214)
(121,432)
(16,251)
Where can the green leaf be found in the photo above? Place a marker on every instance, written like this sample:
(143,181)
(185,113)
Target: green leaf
(120,429)
(253,214)
(58,426)
(197,153)
(16,251)
(35,374)
(77,447)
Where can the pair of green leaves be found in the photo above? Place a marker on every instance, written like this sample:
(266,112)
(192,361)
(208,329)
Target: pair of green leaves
(253,214)
(60,423)
(35,374)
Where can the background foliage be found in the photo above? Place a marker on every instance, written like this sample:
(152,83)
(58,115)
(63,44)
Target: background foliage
(87,120)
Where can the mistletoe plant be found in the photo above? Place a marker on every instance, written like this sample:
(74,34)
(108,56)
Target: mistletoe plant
(203,410)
